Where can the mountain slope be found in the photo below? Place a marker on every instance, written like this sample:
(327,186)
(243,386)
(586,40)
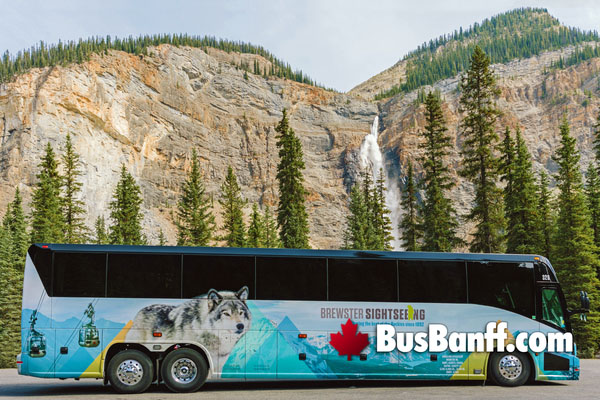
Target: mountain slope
(520,33)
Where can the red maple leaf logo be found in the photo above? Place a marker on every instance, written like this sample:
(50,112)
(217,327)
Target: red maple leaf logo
(349,342)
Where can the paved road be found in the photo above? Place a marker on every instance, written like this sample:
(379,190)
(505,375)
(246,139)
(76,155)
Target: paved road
(13,386)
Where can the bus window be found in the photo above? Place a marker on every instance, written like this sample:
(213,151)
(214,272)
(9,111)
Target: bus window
(362,280)
(503,285)
(79,274)
(432,281)
(291,278)
(144,275)
(552,311)
(204,272)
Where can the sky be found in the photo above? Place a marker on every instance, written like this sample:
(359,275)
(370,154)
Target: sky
(337,43)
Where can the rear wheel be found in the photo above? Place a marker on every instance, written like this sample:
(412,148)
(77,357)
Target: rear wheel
(184,370)
(130,371)
(509,369)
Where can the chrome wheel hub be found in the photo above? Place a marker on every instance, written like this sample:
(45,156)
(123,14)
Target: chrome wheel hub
(184,370)
(510,367)
(130,372)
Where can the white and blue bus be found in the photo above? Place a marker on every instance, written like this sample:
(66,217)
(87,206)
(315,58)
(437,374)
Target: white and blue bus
(134,315)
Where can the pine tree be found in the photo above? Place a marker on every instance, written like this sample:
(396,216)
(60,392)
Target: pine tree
(126,212)
(11,281)
(291,212)
(47,222)
(439,216)
(480,165)
(233,211)
(256,229)
(12,260)
(357,222)
(100,231)
(368,189)
(380,216)
(195,221)
(15,223)
(574,254)
(271,239)
(411,221)
(523,235)
(73,211)
(546,216)
(507,167)
(592,191)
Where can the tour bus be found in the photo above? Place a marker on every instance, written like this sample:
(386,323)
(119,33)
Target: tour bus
(137,315)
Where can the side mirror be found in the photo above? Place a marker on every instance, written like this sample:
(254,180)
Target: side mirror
(585,300)
(585,306)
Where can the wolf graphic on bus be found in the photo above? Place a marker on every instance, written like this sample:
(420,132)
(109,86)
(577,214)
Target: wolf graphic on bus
(197,320)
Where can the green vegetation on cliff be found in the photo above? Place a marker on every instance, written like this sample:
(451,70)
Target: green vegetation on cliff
(520,33)
(64,53)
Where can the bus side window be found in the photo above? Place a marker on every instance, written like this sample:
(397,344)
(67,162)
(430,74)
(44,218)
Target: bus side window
(362,280)
(291,278)
(204,272)
(144,275)
(79,274)
(504,285)
(432,281)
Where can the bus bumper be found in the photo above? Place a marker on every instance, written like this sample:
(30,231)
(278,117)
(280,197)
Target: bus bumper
(19,364)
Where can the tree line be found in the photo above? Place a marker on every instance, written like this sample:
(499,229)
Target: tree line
(58,215)
(69,52)
(520,33)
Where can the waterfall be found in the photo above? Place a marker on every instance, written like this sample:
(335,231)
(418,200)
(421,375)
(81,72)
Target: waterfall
(371,157)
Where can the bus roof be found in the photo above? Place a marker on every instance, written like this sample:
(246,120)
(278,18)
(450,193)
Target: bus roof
(235,251)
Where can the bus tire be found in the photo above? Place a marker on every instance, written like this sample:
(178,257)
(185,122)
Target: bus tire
(130,371)
(509,369)
(184,370)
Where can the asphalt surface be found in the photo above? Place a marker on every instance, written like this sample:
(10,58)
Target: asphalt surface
(13,386)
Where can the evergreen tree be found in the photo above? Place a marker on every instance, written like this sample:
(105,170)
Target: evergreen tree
(380,216)
(574,255)
(16,225)
(195,221)
(546,216)
(100,230)
(256,229)
(480,165)
(47,222)
(233,211)
(507,167)
(75,229)
(439,216)
(291,213)
(271,239)
(523,235)
(126,212)
(11,284)
(411,221)
(592,191)
(356,235)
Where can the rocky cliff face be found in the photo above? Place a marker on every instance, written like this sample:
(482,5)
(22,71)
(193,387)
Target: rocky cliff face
(149,112)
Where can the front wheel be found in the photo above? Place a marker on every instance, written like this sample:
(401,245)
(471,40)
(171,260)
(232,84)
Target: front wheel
(130,371)
(184,370)
(509,369)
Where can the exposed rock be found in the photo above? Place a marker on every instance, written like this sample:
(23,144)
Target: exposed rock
(149,112)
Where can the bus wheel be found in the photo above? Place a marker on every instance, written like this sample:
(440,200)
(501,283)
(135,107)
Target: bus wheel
(130,371)
(509,369)
(184,370)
